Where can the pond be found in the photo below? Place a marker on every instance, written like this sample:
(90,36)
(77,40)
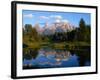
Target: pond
(47,57)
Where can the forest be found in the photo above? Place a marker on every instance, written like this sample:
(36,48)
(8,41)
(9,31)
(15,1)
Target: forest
(79,37)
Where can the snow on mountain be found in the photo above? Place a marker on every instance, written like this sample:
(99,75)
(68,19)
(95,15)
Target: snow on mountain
(57,26)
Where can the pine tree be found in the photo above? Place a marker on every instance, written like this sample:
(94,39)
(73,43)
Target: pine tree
(82,28)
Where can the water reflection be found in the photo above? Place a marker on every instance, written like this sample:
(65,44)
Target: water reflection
(50,58)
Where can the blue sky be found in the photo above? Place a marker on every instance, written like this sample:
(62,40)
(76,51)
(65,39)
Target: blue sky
(41,17)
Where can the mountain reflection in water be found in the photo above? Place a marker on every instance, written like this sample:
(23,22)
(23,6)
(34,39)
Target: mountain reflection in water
(54,58)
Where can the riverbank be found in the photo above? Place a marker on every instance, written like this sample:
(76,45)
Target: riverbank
(59,45)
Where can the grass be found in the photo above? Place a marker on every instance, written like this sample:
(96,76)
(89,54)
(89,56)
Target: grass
(60,45)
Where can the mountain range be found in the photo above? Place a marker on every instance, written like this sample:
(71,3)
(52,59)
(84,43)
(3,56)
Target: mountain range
(49,29)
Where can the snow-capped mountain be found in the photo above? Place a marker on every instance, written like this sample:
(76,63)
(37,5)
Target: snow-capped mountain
(57,26)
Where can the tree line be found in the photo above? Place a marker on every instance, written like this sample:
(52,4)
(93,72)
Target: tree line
(81,33)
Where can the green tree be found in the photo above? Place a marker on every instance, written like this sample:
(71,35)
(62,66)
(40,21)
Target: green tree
(82,28)
(72,35)
(28,28)
(30,34)
(82,25)
(88,33)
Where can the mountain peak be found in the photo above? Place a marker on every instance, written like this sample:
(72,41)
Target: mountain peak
(58,26)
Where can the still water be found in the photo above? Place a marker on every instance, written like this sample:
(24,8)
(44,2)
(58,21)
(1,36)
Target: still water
(55,58)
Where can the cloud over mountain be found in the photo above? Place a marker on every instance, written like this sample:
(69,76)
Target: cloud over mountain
(44,17)
(28,15)
(56,26)
(56,16)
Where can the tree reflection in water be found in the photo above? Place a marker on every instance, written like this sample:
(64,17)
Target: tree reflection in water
(50,58)
(84,57)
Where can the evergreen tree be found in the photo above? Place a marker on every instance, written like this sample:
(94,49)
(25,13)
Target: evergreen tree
(82,28)
(28,28)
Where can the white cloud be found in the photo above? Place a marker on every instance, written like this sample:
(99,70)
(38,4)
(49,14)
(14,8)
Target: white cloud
(57,21)
(65,21)
(44,17)
(59,18)
(56,16)
(28,16)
